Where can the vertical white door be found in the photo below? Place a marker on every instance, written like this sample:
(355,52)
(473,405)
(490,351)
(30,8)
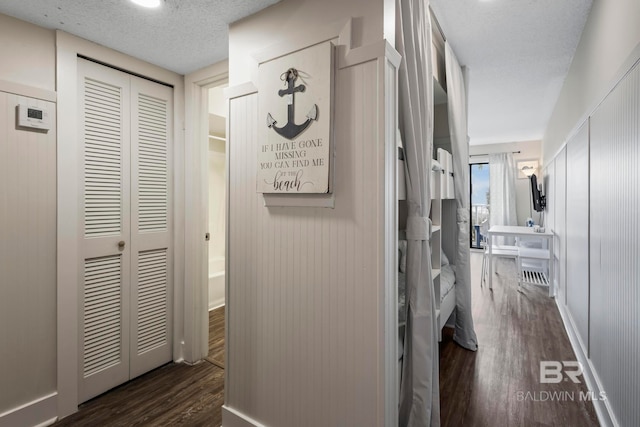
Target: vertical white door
(125,313)
(105,247)
(151,109)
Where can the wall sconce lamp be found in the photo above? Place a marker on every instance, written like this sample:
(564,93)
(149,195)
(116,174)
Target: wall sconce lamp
(528,170)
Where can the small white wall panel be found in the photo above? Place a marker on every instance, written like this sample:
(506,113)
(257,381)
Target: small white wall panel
(561,223)
(550,216)
(615,247)
(306,284)
(27,257)
(577,237)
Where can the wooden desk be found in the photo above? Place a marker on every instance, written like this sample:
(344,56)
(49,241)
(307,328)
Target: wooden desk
(516,231)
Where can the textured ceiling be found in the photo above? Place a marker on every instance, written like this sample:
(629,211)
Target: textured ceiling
(181,35)
(518,53)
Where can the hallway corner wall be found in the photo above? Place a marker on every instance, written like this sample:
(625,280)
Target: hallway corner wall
(27,227)
(306,285)
(591,146)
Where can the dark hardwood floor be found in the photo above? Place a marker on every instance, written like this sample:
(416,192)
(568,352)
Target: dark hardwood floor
(216,337)
(496,386)
(172,395)
(499,385)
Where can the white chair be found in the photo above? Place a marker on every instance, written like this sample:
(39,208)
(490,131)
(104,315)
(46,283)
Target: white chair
(533,273)
(500,251)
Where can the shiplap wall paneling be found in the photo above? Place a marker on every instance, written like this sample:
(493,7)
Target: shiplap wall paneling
(577,238)
(550,216)
(561,223)
(615,247)
(27,256)
(305,284)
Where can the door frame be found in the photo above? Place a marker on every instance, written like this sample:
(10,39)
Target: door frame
(69,227)
(196,293)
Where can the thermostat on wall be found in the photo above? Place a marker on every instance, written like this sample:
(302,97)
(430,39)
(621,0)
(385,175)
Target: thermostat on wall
(33,117)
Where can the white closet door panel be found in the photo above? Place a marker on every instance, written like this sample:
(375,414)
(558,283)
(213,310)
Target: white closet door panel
(561,222)
(550,215)
(577,237)
(105,268)
(151,109)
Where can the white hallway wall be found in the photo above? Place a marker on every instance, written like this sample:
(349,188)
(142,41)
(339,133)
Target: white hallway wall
(27,225)
(28,54)
(290,20)
(305,322)
(608,339)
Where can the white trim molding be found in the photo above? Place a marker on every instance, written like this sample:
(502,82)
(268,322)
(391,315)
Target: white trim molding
(389,69)
(240,90)
(603,409)
(196,307)
(28,91)
(234,418)
(39,412)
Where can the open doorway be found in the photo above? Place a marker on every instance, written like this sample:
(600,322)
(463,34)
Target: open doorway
(217,144)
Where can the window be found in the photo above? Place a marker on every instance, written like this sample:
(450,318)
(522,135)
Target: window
(479,200)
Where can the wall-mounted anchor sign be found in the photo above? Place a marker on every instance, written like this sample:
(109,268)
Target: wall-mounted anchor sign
(295,156)
(291,130)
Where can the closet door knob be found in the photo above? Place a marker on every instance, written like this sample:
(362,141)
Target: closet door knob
(121,244)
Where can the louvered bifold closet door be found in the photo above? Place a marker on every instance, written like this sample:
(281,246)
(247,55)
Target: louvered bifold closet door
(151,273)
(105,211)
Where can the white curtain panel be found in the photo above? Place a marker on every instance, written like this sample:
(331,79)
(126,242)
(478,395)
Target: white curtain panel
(464,334)
(419,388)
(502,193)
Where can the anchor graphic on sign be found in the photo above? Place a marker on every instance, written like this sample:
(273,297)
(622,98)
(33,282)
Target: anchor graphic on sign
(291,130)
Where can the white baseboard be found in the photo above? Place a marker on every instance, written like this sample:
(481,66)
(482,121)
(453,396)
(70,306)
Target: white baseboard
(603,408)
(216,304)
(38,413)
(234,418)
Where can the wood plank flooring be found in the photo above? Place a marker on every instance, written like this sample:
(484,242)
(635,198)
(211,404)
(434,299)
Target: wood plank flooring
(172,395)
(216,337)
(499,384)
(496,386)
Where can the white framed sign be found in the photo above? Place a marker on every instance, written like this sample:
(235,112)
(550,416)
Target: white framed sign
(295,121)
